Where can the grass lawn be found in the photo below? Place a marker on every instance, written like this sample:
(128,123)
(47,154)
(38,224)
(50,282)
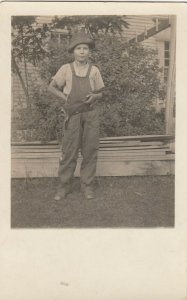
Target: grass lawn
(145,201)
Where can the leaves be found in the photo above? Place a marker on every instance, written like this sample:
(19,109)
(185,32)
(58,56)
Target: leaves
(93,24)
(28,42)
(20,21)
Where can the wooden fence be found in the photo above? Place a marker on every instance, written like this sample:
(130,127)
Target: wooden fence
(118,156)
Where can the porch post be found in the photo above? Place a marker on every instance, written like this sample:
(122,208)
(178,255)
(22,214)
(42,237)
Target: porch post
(171,78)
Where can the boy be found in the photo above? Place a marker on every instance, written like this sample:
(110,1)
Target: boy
(82,84)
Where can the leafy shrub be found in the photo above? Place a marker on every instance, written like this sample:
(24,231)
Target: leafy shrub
(133,82)
(44,120)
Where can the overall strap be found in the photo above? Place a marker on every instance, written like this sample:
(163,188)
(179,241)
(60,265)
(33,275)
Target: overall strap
(89,70)
(72,69)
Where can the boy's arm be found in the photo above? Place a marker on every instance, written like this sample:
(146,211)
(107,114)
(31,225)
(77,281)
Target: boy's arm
(56,91)
(93,97)
(99,87)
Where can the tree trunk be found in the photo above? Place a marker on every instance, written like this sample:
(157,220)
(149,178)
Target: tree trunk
(15,66)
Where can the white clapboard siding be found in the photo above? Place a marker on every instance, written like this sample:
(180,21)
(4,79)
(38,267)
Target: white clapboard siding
(138,25)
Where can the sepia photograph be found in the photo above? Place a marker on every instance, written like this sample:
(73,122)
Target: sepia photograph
(93,121)
(93,192)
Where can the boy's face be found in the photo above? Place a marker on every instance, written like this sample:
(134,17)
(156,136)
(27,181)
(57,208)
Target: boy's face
(81,52)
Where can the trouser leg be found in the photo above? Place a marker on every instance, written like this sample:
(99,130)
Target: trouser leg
(71,145)
(90,145)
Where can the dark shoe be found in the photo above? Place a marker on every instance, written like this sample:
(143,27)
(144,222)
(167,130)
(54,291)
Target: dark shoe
(88,192)
(62,193)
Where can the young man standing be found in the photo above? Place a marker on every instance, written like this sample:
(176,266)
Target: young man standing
(81,83)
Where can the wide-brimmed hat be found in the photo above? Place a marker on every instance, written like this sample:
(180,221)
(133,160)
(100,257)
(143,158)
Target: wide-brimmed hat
(80,38)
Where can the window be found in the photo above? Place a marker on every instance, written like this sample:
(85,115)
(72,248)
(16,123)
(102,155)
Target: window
(166,59)
(59,35)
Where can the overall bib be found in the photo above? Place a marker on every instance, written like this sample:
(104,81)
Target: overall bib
(81,132)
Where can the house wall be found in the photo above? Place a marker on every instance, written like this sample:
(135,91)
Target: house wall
(139,24)
(18,95)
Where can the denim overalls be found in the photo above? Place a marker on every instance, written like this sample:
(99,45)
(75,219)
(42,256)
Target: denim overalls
(81,132)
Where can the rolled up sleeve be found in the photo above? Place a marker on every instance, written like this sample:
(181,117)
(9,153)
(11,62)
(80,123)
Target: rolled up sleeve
(60,76)
(98,80)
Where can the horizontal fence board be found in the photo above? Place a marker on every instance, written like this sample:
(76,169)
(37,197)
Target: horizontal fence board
(131,143)
(100,153)
(28,147)
(140,145)
(100,158)
(134,149)
(56,145)
(140,137)
(124,138)
(122,168)
(104,150)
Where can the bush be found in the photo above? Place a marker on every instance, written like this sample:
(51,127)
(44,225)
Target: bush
(44,122)
(133,82)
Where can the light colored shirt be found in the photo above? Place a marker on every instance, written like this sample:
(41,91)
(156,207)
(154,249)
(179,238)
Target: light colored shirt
(63,77)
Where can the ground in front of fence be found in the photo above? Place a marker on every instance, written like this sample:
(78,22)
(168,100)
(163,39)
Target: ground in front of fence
(145,201)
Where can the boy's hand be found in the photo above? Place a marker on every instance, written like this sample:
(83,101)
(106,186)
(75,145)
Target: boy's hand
(64,113)
(91,98)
